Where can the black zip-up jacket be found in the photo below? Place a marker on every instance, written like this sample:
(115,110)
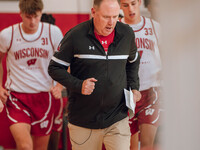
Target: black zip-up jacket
(115,71)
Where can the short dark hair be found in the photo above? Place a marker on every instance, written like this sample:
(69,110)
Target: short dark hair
(30,6)
(98,2)
(48,18)
(146,2)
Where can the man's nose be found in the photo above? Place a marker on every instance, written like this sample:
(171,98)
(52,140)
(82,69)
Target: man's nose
(32,20)
(111,21)
(130,8)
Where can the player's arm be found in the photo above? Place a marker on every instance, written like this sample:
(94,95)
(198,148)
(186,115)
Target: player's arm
(56,36)
(1,68)
(3,92)
(5,43)
(1,75)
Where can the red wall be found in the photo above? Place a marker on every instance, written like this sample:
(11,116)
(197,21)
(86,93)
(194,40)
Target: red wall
(64,21)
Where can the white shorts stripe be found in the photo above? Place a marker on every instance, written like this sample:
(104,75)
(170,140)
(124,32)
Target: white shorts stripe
(27,113)
(60,61)
(50,125)
(156,118)
(13,120)
(12,101)
(156,99)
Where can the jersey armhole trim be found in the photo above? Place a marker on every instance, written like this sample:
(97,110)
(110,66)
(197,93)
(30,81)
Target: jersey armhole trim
(11,41)
(154,30)
(50,36)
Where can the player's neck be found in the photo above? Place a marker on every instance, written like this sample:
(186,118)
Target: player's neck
(135,20)
(29,31)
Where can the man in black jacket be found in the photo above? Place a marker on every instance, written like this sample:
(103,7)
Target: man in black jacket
(103,61)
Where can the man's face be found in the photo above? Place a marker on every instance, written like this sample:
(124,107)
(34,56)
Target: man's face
(30,22)
(131,10)
(105,17)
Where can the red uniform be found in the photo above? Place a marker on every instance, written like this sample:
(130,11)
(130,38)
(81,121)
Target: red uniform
(147,110)
(146,38)
(28,57)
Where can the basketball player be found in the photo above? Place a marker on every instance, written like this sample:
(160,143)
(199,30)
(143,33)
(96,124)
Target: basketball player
(28,91)
(146,119)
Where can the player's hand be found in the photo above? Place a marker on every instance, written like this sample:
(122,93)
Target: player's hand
(136,95)
(1,106)
(3,94)
(88,86)
(57,91)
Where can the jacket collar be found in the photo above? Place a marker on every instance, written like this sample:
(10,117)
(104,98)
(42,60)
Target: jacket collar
(118,33)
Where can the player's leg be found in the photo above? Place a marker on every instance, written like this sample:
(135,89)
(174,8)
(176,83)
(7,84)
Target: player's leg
(149,118)
(135,141)
(19,120)
(21,134)
(40,142)
(57,124)
(54,140)
(147,135)
(133,123)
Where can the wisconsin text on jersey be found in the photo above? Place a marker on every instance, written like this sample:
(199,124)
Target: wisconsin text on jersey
(145,43)
(31,52)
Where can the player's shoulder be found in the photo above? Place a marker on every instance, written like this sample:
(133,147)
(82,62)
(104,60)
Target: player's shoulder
(7,29)
(6,36)
(155,23)
(53,28)
(7,32)
(47,25)
(151,21)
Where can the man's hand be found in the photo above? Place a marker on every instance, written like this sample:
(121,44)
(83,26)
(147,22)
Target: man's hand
(136,95)
(57,91)
(3,94)
(88,86)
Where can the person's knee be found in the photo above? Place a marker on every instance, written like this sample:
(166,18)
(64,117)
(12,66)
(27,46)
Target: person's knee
(145,142)
(25,146)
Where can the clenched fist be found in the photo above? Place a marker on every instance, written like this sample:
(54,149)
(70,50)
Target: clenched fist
(88,86)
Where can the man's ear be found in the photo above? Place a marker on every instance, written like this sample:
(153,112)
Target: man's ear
(93,11)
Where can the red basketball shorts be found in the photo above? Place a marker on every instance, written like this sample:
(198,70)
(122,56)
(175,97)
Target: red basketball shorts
(58,114)
(34,109)
(147,110)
